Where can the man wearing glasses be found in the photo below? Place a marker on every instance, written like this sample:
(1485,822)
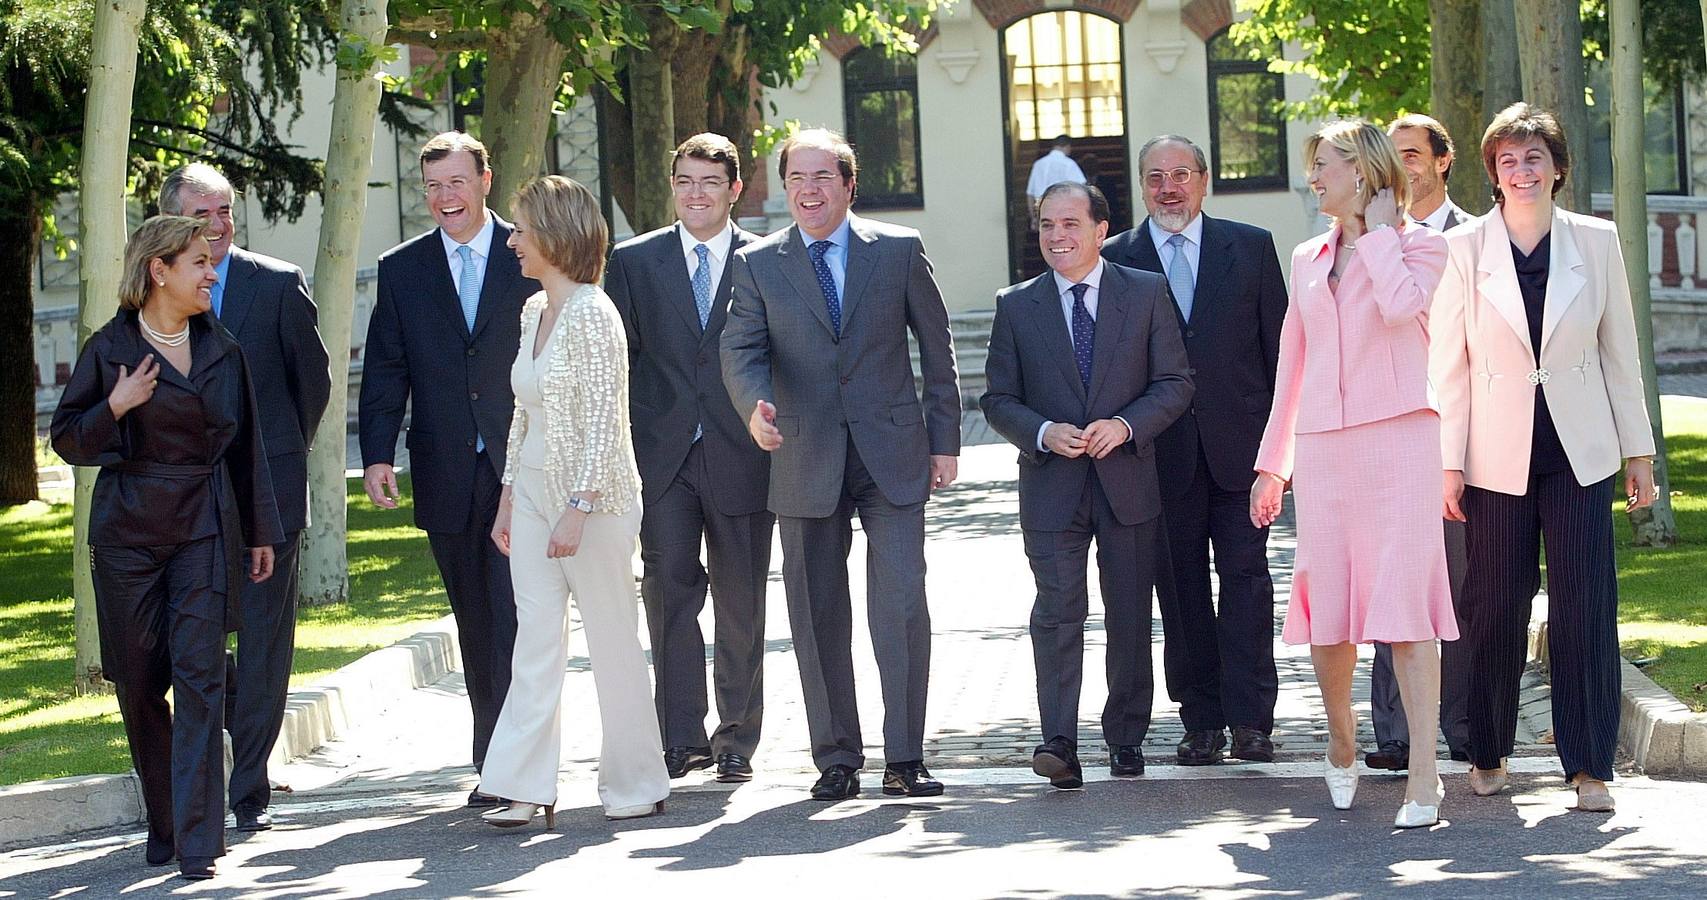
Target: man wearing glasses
(815,356)
(1227,288)
(702,477)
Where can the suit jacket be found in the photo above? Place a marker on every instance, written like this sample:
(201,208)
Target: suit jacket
(1359,355)
(462,391)
(1233,342)
(1481,358)
(266,307)
(1138,372)
(778,346)
(675,374)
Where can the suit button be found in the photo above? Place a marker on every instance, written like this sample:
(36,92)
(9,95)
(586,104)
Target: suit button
(470,442)
(475,395)
(1189,334)
(702,360)
(1191,371)
(845,379)
(471,351)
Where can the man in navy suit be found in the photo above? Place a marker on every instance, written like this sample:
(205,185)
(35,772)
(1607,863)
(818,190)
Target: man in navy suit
(1085,369)
(445,328)
(1230,299)
(703,478)
(264,303)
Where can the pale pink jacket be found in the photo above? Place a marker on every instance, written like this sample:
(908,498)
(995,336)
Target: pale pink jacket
(1359,355)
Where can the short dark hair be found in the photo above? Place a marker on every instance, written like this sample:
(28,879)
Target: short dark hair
(446,143)
(820,139)
(1061,140)
(1521,122)
(711,148)
(1439,139)
(1094,195)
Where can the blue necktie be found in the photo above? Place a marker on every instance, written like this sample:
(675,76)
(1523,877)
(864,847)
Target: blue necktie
(218,297)
(827,284)
(1084,333)
(1179,276)
(468,286)
(702,284)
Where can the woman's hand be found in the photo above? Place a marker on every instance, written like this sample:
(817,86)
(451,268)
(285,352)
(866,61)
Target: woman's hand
(1265,498)
(1639,488)
(1452,496)
(566,537)
(1383,209)
(501,524)
(134,388)
(260,563)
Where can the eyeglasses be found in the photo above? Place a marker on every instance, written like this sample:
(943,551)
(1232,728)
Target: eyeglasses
(434,187)
(1155,178)
(796,181)
(685,185)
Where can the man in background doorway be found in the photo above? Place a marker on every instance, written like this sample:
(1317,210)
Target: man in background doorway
(1054,166)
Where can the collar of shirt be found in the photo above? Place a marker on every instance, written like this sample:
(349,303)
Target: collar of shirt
(223,268)
(1065,289)
(1193,232)
(718,245)
(481,244)
(1436,220)
(837,256)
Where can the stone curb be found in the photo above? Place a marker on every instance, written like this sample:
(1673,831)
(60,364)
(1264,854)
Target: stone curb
(314,714)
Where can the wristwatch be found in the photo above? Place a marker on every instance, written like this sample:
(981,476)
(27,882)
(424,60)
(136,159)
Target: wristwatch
(585,506)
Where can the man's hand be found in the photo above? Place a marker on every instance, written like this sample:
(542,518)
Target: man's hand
(1064,440)
(1103,435)
(379,479)
(762,426)
(260,563)
(944,469)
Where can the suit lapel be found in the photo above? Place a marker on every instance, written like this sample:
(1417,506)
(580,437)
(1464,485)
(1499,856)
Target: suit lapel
(1110,319)
(440,287)
(797,264)
(1144,249)
(1565,278)
(1057,340)
(862,259)
(239,291)
(725,287)
(1216,258)
(502,271)
(1496,278)
(676,280)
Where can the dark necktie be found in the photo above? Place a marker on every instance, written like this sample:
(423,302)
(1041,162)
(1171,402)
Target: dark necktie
(827,283)
(1084,333)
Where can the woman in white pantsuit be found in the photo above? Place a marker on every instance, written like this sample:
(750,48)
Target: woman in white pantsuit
(568,520)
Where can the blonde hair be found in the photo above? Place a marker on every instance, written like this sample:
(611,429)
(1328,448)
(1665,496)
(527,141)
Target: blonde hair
(566,224)
(162,238)
(1371,151)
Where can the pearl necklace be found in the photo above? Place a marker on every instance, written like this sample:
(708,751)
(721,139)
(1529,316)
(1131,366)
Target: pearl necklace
(169,340)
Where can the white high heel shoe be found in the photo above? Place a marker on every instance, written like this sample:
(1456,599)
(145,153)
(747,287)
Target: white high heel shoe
(1415,815)
(518,814)
(1342,783)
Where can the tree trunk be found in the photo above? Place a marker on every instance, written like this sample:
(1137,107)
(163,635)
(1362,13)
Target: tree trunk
(1655,526)
(349,160)
(617,122)
(1502,78)
(20,238)
(101,240)
(1550,48)
(1455,94)
(524,68)
(652,119)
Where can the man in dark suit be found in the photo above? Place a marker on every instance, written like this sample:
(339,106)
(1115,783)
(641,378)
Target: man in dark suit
(1425,147)
(1085,369)
(445,328)
(1229,298)
(702,476)
(815,357)
(264,303)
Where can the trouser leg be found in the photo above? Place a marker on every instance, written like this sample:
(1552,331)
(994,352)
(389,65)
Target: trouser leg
(1244,620)
(266,644)
(195,623)
(673,586)
(1503,539)
(1059,565)
(1455,655)
(738,551)
(1190,649)
(1126,566)
(1582,622)
(130,606)
(820,617)
(1386,707)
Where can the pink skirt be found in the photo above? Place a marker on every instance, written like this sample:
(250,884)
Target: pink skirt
(1371,559)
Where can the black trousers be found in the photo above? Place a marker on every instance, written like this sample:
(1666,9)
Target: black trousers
(258,677)
(161,615)
(820,615)
(1387,709)
(1126,564)
(673,586)
(477,581)
(1219,662)
(1505,535)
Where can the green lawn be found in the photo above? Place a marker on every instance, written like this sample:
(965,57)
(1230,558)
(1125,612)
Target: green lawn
(47,732)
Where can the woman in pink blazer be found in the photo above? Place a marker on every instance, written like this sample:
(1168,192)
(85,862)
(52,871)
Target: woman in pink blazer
(1534,355)
(1353,429)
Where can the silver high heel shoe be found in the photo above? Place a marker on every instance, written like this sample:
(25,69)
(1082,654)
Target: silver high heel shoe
(518,814)
(1415,815)
(1342,783)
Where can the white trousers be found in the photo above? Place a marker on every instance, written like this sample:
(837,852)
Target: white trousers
(521,764)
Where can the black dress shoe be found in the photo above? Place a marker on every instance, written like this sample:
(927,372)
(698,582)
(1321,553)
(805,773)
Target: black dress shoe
(1057,761)
(682,760)
(196,868)
(1251,745)
(478,799)
(910,779)
(733,767)
(838,782)
(253,820)
(158,852)
(1393,755)
(1125,760)
(1201,748)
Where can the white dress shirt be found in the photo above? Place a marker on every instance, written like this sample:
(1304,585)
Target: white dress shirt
(1437,220)
(481,245)
(716,259)
(1093,281)
(1193,232)
(1050,168)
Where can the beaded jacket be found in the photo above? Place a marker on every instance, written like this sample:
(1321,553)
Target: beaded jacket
(585,388)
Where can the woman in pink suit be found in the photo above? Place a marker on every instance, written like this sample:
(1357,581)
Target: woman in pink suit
(1353,429)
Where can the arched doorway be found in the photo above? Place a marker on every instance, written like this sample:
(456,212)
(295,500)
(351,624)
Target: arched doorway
(1063,73)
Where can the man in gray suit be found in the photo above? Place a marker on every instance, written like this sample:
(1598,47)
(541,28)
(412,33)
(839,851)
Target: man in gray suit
(815,357)
(1086,369)
(702,476)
